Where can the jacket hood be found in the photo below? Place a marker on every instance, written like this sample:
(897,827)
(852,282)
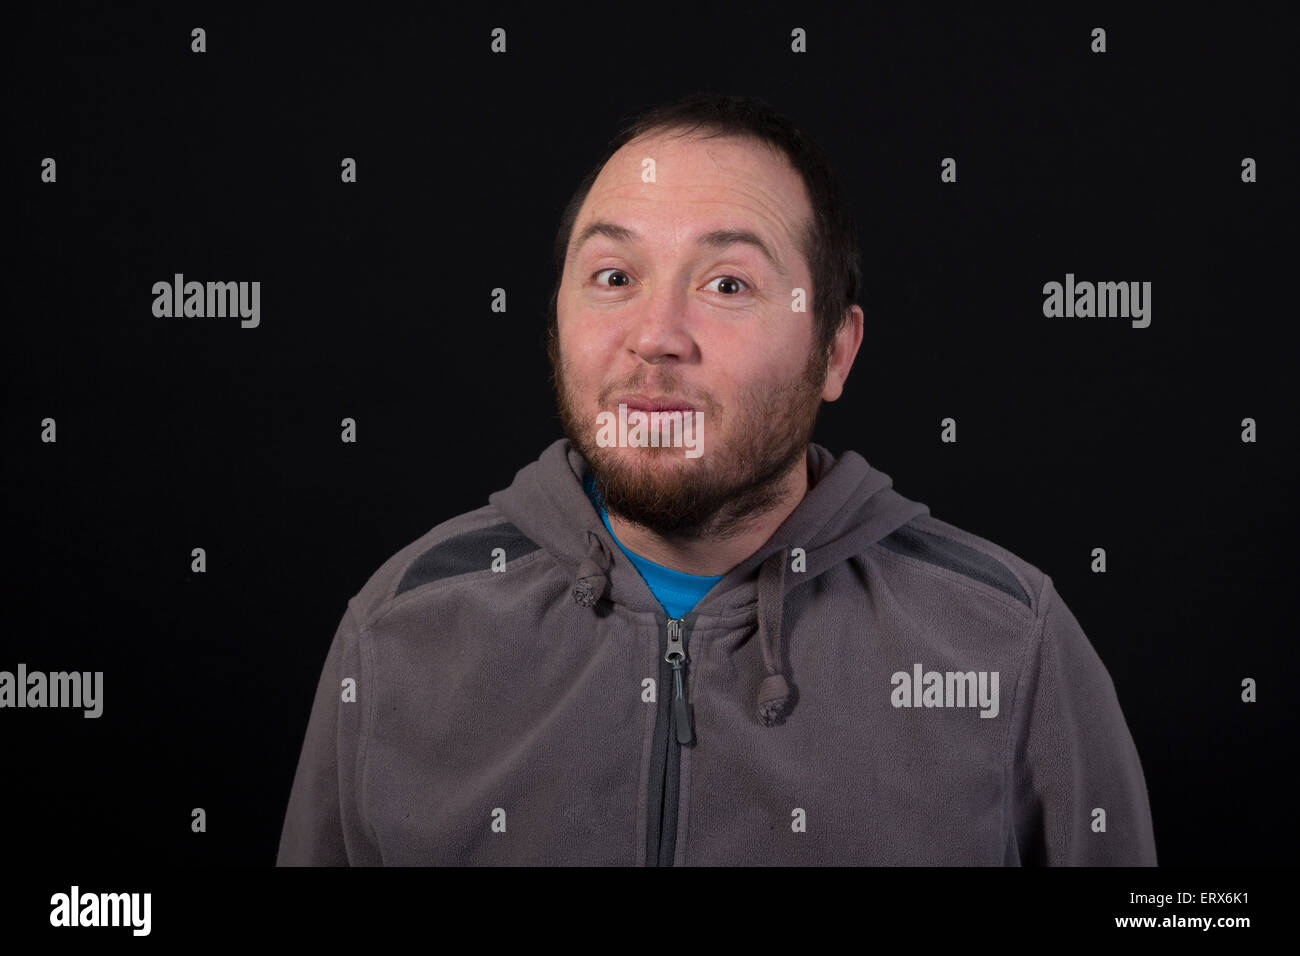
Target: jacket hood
(849,507)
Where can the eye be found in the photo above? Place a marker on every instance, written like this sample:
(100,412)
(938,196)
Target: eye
(731,280)
(595,277)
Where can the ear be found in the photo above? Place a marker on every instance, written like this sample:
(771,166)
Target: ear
(844,349)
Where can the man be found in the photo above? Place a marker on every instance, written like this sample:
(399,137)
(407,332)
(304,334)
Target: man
(732,648)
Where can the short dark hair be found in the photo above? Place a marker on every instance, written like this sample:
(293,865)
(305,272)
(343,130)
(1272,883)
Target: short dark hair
(829,243)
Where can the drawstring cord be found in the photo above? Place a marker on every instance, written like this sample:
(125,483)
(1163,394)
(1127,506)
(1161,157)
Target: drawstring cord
(592,580)
(774,691)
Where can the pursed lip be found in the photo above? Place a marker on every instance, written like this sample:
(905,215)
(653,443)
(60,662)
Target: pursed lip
(645,403)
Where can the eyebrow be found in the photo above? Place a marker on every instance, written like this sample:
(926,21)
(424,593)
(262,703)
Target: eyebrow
(716,239)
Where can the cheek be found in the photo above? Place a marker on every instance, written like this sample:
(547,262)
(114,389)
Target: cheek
(591,346)
(743,364)
(583,367)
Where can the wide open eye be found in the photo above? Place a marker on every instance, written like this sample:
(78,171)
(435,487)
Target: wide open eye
(732,282)
(596,278)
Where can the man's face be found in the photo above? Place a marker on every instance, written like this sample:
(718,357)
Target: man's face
(658,316)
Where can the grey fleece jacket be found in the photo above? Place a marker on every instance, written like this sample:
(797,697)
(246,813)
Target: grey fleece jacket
(872,686)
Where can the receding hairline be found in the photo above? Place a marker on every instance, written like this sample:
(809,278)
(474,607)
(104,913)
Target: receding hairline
(703,131)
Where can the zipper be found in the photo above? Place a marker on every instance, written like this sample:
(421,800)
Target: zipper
(672,731)
(676,658)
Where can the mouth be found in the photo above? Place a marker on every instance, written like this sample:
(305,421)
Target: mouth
(642,403)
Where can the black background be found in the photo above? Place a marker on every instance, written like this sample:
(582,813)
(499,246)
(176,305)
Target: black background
(181,433)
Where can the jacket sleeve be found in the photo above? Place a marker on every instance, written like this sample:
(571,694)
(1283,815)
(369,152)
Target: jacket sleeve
(1074,766)
(322,825)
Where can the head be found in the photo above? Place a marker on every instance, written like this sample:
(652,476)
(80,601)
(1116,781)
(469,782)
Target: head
(719,278)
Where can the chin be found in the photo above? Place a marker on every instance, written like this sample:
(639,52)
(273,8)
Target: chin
(661,461)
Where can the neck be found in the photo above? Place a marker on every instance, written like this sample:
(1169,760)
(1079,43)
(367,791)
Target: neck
(712,556)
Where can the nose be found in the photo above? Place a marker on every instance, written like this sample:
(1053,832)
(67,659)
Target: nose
(658,330)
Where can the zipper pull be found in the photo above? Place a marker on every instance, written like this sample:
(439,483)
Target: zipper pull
(676,656)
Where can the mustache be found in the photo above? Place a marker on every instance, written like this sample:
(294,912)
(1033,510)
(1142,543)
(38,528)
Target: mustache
(661,391)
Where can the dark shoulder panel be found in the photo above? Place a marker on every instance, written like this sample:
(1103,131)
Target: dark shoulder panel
(949,554)
(471,551)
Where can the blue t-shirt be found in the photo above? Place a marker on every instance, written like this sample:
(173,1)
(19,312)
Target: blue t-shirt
(677,591)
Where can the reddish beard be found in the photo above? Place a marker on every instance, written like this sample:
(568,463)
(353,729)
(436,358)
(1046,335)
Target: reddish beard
(741,475)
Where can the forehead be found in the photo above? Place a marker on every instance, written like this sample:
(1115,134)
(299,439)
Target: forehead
(700,184)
